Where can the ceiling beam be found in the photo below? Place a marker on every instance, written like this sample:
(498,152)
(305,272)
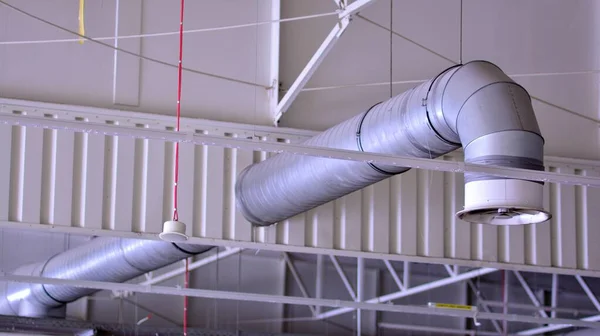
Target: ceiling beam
(293,300)
(310,68)
(297,149)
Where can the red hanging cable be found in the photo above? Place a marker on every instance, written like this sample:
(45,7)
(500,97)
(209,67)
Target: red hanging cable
(179,75)
(176,175)
(185,298)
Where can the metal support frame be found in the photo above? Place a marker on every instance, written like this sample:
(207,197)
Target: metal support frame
(559,326)
(299,282)
(372,305)
(530,293)
(435,330)
(484,306)
(555,327)
(554,295)
(588,291)
(298,149)
(406,274)
(414,290)
(343,276)
(454,271)
(310,68)
(319,281)
(319,55)
(394,275)
(360,289)
(530,307)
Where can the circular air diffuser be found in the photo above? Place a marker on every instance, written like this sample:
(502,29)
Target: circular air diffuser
(504,202)
(173,231)
(504,216)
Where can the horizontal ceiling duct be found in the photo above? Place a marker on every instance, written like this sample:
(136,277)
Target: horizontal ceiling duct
(475,106)
(102,259)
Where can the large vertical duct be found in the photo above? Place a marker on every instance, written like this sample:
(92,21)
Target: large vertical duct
(474,105)
(102,259)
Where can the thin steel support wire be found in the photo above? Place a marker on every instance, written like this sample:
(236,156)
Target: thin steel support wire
(150,59)
(189,31)
(406,38)
(564,109)
(419,81)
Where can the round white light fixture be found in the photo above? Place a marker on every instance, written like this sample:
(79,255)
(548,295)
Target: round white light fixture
(173,231)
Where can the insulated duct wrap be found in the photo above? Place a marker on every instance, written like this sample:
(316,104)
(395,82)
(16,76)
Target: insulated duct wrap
(102,259)
(474,105)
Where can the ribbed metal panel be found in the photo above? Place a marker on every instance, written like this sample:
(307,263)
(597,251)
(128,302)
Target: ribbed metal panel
(122,184)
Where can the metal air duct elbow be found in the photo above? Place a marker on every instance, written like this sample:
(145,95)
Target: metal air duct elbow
(474,105)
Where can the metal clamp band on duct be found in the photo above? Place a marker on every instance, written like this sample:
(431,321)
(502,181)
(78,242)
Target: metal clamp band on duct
(475,105)
(102,259)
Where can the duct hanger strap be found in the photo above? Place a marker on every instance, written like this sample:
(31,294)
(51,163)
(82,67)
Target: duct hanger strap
(359,142)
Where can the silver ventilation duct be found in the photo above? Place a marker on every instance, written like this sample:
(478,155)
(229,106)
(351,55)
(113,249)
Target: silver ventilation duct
(474,105)
(102,259)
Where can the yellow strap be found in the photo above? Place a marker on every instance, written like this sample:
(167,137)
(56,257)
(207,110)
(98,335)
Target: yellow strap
(81,20)
(451,306)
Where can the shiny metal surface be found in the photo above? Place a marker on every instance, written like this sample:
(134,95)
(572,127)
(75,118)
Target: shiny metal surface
(102,259)
(463,104)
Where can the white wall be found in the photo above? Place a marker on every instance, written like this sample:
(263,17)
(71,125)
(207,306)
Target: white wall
(72,73)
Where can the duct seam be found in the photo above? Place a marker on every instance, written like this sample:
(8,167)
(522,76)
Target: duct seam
(359,142)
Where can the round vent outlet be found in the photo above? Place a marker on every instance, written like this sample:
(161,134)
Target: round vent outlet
(504,216)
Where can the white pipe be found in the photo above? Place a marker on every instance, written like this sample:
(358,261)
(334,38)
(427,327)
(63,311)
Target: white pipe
(292,300)
(414,290)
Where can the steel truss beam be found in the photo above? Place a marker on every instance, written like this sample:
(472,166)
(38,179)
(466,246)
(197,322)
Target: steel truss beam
(336,32)
(298,149)
(435,330)
(555,327)
(296,276)
(530,293)
(414,290)
(254,297)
